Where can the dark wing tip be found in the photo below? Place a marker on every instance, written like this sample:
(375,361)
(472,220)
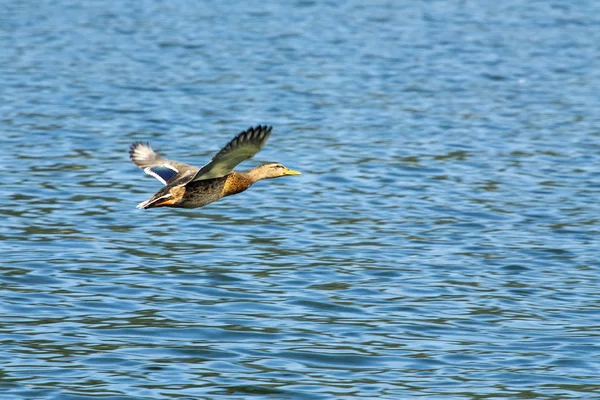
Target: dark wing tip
(140,153)
(133,147)
(257,134)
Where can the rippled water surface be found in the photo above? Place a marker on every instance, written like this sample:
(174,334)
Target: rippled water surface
(441,242)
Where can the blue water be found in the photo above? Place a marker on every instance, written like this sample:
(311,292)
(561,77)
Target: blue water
(442,241)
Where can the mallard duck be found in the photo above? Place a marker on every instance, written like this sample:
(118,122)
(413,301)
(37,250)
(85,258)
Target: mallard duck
(187,186)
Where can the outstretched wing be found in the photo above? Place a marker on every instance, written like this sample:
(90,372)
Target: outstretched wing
(243,147)
(154,165)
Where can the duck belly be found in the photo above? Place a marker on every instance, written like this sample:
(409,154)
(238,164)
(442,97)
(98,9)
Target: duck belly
(200,193)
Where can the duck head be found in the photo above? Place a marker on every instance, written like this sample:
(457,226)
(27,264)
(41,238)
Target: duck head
(271,170)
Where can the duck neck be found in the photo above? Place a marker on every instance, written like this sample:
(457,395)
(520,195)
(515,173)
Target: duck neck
(237,182)
(256,174)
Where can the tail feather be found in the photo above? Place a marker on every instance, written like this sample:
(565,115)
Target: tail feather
(150,202)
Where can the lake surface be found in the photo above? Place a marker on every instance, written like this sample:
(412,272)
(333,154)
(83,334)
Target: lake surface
(442,241)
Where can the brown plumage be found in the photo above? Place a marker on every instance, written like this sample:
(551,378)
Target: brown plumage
(190,187)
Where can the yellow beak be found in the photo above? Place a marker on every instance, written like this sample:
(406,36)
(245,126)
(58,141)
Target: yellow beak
(291,172)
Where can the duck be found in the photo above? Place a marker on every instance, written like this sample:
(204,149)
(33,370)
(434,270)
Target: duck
(187,186)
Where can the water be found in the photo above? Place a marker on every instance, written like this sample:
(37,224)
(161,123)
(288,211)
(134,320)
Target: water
(441,242)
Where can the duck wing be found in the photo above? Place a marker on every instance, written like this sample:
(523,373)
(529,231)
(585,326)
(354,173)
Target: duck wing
(241,148)
(166,171)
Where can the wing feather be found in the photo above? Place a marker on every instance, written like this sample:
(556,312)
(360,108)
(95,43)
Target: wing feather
(155,165)
(241,148)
